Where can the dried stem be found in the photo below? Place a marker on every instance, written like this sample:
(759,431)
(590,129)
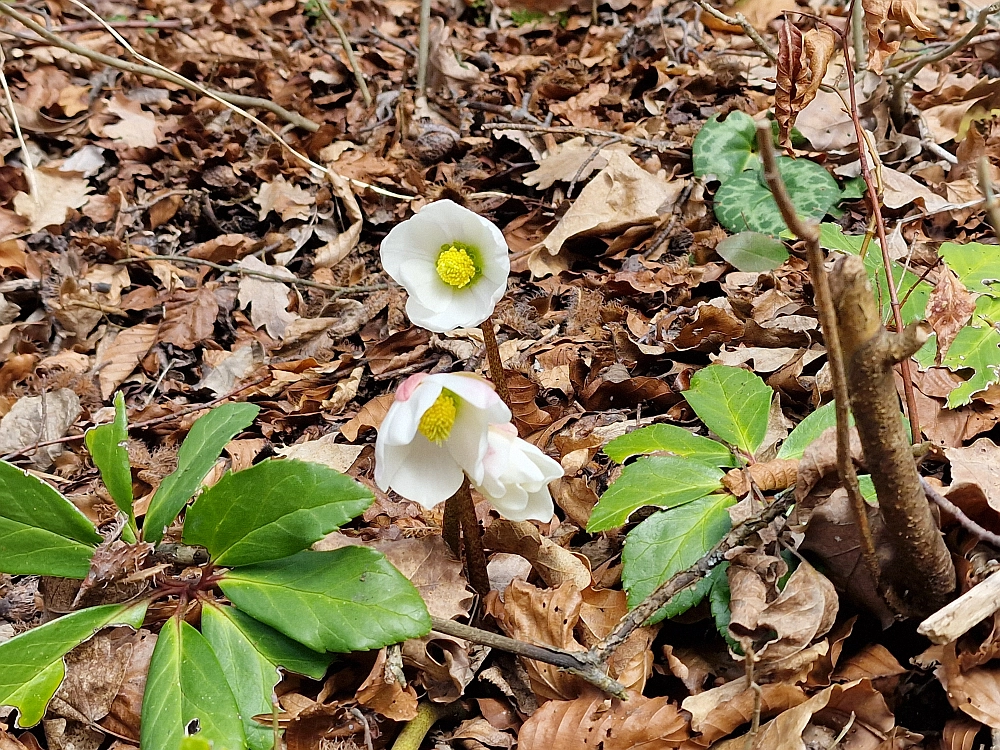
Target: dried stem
(423,49)
(496,363)
(986,187)
(809,233)
(964,521)
(740,20)
(574,662)
(461,506)
(29,168)
(349,51)
(185,260)
(872,193)
(603,651)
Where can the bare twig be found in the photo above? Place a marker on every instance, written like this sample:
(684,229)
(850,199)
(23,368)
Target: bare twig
(603,651)
(144,424)
(423,49)
(986,187)
(252,272)
(576,663)
(740,20)
(809,233)
(655,145)
(964,521)
(348,50)
(873,194)
(858,35)
(496,363)
(29,168)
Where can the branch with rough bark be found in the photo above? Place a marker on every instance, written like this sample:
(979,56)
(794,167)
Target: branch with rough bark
(920,571)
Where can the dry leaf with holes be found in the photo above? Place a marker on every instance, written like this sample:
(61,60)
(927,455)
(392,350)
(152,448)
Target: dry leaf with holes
(267,299)
(949,308)
(58,193)
(117,359)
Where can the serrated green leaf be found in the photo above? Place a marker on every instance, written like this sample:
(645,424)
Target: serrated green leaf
(975,264)
(809,429)
(977,348)
(187,693)
(670,439)
(745,202)
(107,446)
(272,510)
(733,403)
(752,252)
(197,455)
(33,666)
(725,148)
(349,599)
(41,532)
(669,542)
(250,653)
(663,481)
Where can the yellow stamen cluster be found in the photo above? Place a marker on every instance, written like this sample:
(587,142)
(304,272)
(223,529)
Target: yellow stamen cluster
(456,267)
(437,421)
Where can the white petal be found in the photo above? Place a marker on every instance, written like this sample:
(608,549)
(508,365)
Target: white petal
(475,390)
(428,475)
(419,236)
(401,421)
(511,505)
(421,280)
(539,507)
(467,441)
(468,310)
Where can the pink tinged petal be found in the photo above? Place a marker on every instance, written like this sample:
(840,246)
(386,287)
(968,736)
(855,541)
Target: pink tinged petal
(401,421)
(428,475)
(422,282)
(407,387)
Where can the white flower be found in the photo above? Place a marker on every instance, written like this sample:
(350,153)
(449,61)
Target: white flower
(435,430)
(517,475)
(452,262)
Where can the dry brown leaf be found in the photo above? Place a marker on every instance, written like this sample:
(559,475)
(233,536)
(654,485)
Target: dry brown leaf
(268,298)
(877,12)
(620,196)
(287,200)
(789,77)
(553,563)
(776,474)
(528,417)
(190,317)
(959,733)
(569,161)
(117,360)
(872,662)
(432,568)
(975,691)
(979,465)
(716,713)
(137,127)
(33,419)
(126,709)
(95,671)
(369,416)
(444,668)
(819,46)
(589,723)
(382,693)
(632,662)
(59,192)
(545,617)
(338,246)
(949,308)
(324,450)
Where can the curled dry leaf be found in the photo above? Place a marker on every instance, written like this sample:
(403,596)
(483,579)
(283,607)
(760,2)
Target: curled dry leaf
(975,691)
(369,416)
(590,723)
(443,664)
(382,693)
(528,417)
(716,713)
(789,77)
(777,474)
(116,361)
(949,308)
(553,563)
(877,13)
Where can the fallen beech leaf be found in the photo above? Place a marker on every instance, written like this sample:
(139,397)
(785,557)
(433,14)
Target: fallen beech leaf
(324,451)
(430,566)
(339,245)
(387,697)
(977,464)
(568,161)
(190,317)
(137,127)
(33,419)
(369,416)
(59,192)
(588,723)
(126,709)
(789,76)
(622,195)
(443,664)
(949,308)
(285,199)
(116,361)
(269,299)
(877,12)
(776,474)
(553,563)
(527,416)
(716,713)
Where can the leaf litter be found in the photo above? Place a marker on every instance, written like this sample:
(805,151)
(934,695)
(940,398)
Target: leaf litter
(624,289)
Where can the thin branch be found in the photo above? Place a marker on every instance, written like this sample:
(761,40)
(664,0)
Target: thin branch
(986,187)
(873,200)
(573,662)
(349,51)
(29,168)
(967,523)
(748,29)
(809,233)
(423,49)
(655,145)
(144,424)
(604,650)
(252,272)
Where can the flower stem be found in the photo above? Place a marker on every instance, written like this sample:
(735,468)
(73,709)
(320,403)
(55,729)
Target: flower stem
(417,728)
(460,508)
(451,526)
(496,364)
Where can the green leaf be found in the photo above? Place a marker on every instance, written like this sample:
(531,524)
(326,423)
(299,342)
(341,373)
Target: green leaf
(250,653)
(349,599)
(41,532)
(663,481)
(719,602)
(853,189)
(33,664)
(671,439)
(669,542)
(977,348)
(107,447)
(187,693)
(809,429)
(867,487)
(272,510)
(745,201)
(974,263)
(724,149)
(752,252)
(733,403)
(197,455)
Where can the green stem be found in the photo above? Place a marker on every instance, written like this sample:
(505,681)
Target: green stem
(417,728)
